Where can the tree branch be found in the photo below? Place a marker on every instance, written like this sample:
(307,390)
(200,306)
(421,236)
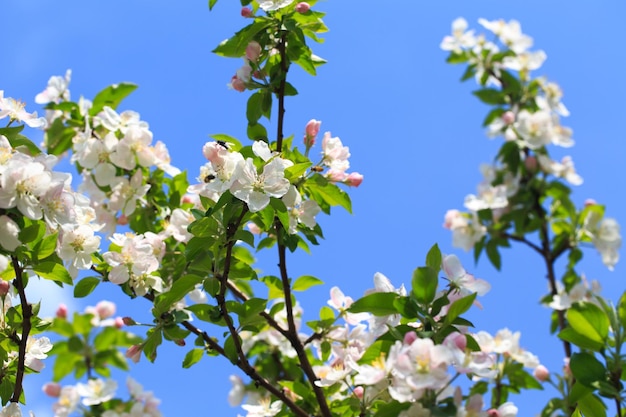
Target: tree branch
(27,314)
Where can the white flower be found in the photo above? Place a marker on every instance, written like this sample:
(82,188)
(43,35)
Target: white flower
(461,38)
(299,211)
(56,90)
(525,61)
(237,392)
(509,33)
(256,189)
(490,197)
(607,241)
(67,403)
(177,227)
(466,229)
(76,246)
(4,263)
(11,410)
(263,409)
(16,111)
(126,193)
(564,169)
(21,183)
(96,391)
(536,129)
(271,5)
(459,278)
(9,231)
(36,349)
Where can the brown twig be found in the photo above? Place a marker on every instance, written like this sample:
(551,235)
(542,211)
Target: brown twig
(27,314)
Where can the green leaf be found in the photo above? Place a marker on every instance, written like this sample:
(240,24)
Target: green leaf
(211,4)
(180,288)
(46,246)
(490,96)
(232,143)
(235,47)
(256,131)
(32,232)
(64,365)
(378,303)
(85,286)
(459,307)
(58,137)
(589,320)
(297,170)
(493,254)
(205,227)
(54,272)
(621,309)
(154,340)
(245,236)
(457,58)
(390,408)
(572,336)
(111,96)
(192,357)
(425,282)
(433,258)
(378,349)
(305,282)
(592,406)
(254,109)
(326,193)
(587,369)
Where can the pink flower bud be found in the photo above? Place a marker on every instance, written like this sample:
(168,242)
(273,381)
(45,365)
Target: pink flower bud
(246,12)
(5,286)
(128,321)
(134,353)
(119,322)
(122,220)
(541,373)
(253,51)
(354,179)
(493,413)
(409,338)
(237,84)
(567,372)
(531,163)
(302,7)
(52,389)
(508,117)
(457,339)
(254,229)
(105,309)
(358,391)
(180,342)
(61,311)
(590,202)
(310,132)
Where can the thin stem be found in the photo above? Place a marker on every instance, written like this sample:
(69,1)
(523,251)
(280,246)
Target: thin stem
(284,66)
(524,241)
(27,313)
(243,297)
(293,331)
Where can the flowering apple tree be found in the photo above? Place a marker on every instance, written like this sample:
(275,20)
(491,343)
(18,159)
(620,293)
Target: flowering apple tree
(186,247)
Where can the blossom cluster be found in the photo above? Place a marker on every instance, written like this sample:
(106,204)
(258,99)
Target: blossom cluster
(256,180)
(531,122)
(29,187)
(414,367)
(112,150)
(98,392)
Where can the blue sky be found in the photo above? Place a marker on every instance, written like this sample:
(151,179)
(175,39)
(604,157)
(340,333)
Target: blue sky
(413,129)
